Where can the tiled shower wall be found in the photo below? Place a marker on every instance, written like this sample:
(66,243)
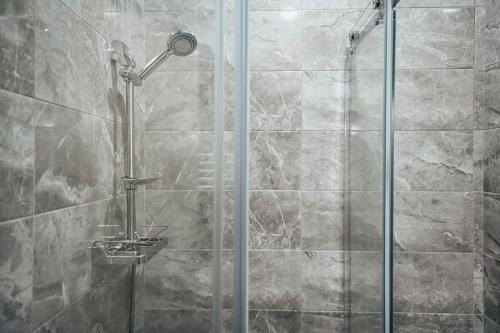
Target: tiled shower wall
(299,268)
(61,160)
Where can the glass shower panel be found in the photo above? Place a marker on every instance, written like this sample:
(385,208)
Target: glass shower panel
(437,246)
(363,172)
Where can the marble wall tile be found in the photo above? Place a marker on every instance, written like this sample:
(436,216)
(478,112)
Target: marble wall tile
(178,279)
(479,222)
(491,161)
(322,28)
(478,284)
(366,323)
(63,158)
(491,289)
(369,51)
(275,160)
(70,59)
(481,116)
(275,280)
(434,282)
(180,101)
(275,100)
(435,38)
(61,271)
(322,161)
(480,25)
(433,3)
(323,322)
(491,34)
(323,100)
(406,323)
(479,137)
(491,98)
(275,220)
(108,159)
(16,271)
(200,23)
(433,160)
(433,100)
(338,4)
(177,320)
(275,321)
(365,281)
(491,226)
(365,160)
(365,221)
(103,309)
(17,154)
(274,40)
(364,107)
(188,214)
(17,49)
(185,163)
(323,274)
(490,326)
(322,215)
(434,221)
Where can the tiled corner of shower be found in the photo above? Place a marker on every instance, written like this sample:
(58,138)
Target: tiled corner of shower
(61,161)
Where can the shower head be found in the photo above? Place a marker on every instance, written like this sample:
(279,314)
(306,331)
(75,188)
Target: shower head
(180,44)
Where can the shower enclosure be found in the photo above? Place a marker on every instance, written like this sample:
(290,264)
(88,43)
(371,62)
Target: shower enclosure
(322,166)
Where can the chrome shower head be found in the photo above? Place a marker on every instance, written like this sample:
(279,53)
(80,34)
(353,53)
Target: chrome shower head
(180,44)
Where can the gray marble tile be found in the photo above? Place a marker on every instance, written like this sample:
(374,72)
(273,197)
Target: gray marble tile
(434,282)
(491,34)
(17,49)
(364,102)
(177,321)
(434,100)
(443,323)
(179,279)
(478,324)
(275,4)
(365,221)
(490,326)
(335,4)
(433,3)
(322,161)
(188,214)
(180,101)
(186,163)
(70,59)
(61,272)
(491,161)
(322,215)
(274,40)
(275,100)
(275,220)
(17,155)
(366,323)
(479,137)
(200,23)
(491,227)
(435,38)
(63,158)
(108,159)
(433,160)
(16,270)
(323,322)
(369,51)
(103,309)
(491,101)
(479,214)
(480,25)
(478,284)
(480,112)
(274,321)
(364,171)
(323,100)
(275,280)
(365,281)
(322,28)
(323,274)
(491,288)
(180,5)
(275,160)
(434,221)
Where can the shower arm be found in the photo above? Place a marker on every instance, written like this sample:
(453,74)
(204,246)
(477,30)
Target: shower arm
(154,64)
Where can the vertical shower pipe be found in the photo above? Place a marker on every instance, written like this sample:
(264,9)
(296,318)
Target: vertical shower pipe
(130,170)
(240,306)
(219,168)
(388,182)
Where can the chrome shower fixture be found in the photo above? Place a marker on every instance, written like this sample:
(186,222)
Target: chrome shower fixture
(180,44)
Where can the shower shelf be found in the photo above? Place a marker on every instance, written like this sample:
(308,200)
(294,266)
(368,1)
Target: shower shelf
(119,251)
